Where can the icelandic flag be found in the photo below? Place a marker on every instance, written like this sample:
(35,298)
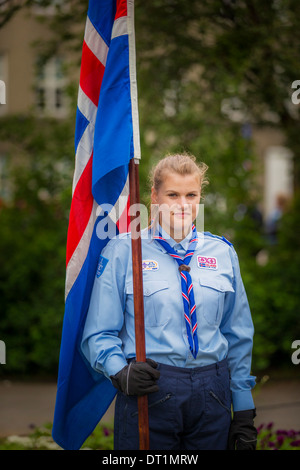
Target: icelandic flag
(106,138)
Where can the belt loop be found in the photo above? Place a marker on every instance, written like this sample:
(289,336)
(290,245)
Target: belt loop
(218,368)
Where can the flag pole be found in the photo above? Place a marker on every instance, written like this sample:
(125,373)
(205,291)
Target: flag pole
(136,245)
(138,303)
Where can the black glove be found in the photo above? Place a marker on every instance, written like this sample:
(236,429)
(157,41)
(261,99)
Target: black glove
(242,432)
(138,378)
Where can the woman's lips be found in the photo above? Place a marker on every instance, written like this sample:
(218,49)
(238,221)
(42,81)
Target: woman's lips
(181,214)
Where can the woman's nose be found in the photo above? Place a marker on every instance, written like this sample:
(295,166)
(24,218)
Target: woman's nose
(183,201)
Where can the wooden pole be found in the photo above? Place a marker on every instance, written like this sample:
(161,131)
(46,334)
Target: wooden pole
(138,296)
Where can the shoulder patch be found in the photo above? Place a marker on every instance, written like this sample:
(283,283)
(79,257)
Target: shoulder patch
(101,265)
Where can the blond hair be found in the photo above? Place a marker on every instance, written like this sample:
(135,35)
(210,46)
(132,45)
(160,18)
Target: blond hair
(182,164)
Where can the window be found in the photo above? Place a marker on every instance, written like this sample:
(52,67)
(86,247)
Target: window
(50,84)
(279,171)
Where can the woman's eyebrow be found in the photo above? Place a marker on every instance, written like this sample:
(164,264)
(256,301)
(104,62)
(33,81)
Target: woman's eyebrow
(188,190)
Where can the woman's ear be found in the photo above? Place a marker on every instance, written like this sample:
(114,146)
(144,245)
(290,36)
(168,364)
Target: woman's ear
(153,196)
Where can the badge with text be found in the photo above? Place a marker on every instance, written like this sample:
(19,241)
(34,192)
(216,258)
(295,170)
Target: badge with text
(101,265)
(150,265)
(207,262)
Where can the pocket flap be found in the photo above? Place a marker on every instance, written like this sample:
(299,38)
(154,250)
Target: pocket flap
(219,283)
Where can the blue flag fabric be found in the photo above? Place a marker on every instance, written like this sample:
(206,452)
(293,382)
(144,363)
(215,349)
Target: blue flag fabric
(106,138)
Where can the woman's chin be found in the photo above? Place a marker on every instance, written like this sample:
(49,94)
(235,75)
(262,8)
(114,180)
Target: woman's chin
(182,225)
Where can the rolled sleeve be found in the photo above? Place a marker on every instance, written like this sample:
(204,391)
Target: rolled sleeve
(242,399)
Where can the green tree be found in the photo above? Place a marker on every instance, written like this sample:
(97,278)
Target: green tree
(32,243)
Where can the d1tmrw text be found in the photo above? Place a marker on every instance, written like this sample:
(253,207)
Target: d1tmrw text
(149,459)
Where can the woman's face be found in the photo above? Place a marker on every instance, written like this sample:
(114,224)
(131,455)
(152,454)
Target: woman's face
(178,198)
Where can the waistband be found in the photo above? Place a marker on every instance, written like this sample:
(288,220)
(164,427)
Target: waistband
(188,371)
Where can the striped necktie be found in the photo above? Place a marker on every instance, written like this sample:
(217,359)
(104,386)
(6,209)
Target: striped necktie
(186,287)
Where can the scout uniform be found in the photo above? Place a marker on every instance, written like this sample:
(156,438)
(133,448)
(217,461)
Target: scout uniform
(192,409)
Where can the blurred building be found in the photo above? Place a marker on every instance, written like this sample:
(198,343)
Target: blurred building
(275,161)
(32,86)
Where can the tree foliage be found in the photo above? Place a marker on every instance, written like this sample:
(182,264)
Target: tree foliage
(32,243)
(208,72)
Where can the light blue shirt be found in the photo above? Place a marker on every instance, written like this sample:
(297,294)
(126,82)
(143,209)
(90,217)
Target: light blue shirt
(225,327)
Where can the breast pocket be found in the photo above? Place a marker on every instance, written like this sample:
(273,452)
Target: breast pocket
(156,311)
(213,291)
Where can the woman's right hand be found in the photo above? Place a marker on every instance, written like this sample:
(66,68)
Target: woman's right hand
(137,378)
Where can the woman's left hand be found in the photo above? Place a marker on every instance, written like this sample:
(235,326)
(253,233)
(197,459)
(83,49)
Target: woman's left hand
(242,432)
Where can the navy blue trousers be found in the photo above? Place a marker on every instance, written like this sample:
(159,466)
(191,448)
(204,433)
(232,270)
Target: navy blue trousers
(191,411)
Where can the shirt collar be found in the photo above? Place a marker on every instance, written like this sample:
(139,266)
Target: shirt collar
(184,243)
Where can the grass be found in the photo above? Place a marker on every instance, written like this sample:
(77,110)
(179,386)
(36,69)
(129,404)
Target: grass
(41,439)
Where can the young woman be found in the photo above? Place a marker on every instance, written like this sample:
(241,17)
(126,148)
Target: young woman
(198,327)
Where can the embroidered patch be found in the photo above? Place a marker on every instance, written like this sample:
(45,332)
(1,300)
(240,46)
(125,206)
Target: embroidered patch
(101,265)
(150,265)
(208,262)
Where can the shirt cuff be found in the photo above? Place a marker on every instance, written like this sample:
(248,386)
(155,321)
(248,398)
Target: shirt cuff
(242,400)
(114,364)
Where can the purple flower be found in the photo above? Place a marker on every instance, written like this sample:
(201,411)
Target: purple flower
(280,439)
(281,432)
(259,428)
(295,443)
(270,425)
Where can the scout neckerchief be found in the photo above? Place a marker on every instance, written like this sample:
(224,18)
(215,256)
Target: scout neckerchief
(186,287)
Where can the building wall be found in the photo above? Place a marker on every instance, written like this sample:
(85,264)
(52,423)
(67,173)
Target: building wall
(16,40)
(19,52)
